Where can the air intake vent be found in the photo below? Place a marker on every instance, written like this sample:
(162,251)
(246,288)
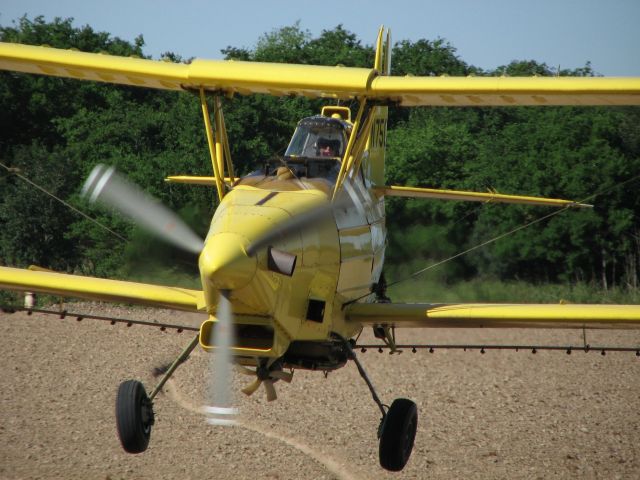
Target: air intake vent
(315,311)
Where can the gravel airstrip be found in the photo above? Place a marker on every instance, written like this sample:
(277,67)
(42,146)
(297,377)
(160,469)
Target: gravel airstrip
(502,414)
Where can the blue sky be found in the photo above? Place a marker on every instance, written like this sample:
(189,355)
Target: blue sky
(486,33)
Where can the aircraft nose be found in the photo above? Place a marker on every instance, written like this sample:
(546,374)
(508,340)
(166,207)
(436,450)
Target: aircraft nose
(224,263)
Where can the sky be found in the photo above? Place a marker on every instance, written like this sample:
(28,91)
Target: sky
(486,33)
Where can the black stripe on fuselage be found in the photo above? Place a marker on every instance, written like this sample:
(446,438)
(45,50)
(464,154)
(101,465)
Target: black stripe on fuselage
(267,198)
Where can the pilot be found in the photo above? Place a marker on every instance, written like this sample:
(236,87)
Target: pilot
(327,148)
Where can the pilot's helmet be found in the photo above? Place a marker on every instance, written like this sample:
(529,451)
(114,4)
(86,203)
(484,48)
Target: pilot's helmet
(323,142)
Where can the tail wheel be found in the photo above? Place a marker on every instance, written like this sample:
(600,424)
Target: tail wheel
(398,434)
(134,416)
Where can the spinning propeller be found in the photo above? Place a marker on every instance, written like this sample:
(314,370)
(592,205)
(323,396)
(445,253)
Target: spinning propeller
(220,410)
(109,188)
(226,260)
(106,186)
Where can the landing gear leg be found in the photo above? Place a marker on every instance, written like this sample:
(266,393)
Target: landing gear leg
(134,408)
(397,430)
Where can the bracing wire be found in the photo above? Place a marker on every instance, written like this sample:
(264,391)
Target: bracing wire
(13,171)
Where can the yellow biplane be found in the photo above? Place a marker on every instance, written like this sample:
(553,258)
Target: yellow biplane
(291,267)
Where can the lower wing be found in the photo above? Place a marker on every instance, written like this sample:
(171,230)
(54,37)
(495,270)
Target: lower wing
(478,315)
(101,289)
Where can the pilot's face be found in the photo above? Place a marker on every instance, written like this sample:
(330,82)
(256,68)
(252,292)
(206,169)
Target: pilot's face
(326,151)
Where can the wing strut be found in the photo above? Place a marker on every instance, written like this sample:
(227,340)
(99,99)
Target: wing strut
(218,142)
(354,148)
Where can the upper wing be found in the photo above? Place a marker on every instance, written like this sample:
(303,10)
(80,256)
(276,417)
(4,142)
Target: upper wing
(320,81)
(508,91)
(225,75)
(100,289)
(473,315)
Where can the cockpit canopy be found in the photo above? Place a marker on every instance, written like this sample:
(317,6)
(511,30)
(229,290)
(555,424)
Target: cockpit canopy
(312,159)
(319,137)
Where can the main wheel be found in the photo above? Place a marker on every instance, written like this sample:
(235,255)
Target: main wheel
(134,416)
(397,434)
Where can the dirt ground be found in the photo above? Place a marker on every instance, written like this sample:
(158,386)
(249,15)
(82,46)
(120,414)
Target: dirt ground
(503,414)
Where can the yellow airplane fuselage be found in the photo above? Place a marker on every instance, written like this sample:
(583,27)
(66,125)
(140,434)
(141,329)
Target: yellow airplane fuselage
(338,259)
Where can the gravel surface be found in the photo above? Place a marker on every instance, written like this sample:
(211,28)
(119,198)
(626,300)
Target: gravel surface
(503,414)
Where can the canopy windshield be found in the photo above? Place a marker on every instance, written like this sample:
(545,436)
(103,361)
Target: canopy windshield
(318,137)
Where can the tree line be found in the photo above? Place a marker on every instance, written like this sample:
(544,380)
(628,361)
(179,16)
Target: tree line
(53,131)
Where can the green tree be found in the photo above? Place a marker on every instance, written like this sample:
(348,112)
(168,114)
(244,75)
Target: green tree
(34,225)
(427,58)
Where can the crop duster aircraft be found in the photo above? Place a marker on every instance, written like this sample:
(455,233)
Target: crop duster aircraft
(291,267)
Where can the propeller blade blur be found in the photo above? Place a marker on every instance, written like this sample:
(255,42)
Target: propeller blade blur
(297,223)
(108,187)
(220,411)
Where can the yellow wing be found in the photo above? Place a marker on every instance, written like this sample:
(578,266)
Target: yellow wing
(100,289)
(507,91)
(226,75)
(478,315)
(320,81)
(417,192)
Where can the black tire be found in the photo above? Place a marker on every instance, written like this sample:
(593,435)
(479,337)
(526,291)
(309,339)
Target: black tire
(398,434)
(134,416)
